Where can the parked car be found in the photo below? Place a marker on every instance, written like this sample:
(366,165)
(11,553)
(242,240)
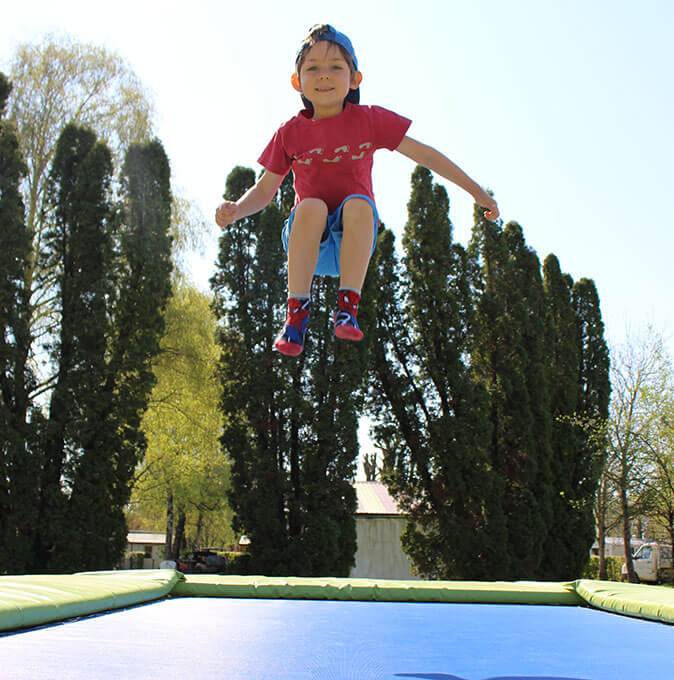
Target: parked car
(202,562)
(652,563)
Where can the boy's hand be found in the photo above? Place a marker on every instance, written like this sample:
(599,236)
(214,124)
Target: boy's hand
(486,201)
(226,213)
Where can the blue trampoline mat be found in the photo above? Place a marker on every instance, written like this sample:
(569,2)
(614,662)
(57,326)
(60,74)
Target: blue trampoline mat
(237,639)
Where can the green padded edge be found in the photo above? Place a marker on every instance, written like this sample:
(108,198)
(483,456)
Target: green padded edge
(655,603)
(27,601)
(381,590)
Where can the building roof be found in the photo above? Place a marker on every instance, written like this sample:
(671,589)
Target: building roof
(146,537)
(374,499)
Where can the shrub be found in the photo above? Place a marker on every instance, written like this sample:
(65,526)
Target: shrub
(613,568)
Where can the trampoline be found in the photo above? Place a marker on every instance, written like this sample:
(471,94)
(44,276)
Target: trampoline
(330,629)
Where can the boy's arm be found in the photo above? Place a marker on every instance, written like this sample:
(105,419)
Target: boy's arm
(439,163)
(255,199)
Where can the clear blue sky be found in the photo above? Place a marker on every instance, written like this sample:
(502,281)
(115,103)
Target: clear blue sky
(564,109)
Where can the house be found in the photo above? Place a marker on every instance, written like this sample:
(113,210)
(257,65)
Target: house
(615,546)
(379,524)
(151,544)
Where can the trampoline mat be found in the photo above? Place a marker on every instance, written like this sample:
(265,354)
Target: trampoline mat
(252,639)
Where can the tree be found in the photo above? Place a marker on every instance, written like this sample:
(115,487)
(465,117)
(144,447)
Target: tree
(430,412)
(578,377)
(289,426)
(509,357)
(659,446)
(18,465)
(636,369)
(112,284)
(590,492)
(78,248)
(55,83)
(183,468)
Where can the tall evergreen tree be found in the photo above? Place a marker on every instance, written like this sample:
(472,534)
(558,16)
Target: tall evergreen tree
(289,425)
(113,282)
(142,274)
(562,558)
(431,414)
(592,410)
(78,248)
(18,464)
(509,358)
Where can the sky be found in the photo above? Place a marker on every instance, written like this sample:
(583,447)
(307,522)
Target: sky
(563,108)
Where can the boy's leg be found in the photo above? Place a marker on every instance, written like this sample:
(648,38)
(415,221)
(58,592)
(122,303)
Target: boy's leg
(357,237)
(307,229)
(356,250)
(305,238)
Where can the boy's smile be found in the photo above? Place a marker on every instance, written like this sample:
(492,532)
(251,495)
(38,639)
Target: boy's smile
(325,79)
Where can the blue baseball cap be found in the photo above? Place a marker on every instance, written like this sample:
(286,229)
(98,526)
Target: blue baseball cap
(323,32)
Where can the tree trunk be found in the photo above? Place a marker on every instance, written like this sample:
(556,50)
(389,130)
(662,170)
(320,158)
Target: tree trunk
(168,551)
(179,540)
(601,540)
(631,574)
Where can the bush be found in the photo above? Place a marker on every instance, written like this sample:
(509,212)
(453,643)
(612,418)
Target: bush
(236,563)
(613,568)
(135,559)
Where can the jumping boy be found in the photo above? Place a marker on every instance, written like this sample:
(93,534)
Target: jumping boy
(329,146)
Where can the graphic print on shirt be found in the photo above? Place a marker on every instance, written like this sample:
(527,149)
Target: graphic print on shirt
(340,153)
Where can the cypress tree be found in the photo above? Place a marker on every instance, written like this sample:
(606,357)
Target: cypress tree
(437,466)
(592,409)
(289,425)
(113,282)
(78,247)
(565,550)
(142,274)
(509,358)
(18,456)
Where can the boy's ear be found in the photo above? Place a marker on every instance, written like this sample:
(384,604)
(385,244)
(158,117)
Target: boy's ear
(356,80)
(295,81)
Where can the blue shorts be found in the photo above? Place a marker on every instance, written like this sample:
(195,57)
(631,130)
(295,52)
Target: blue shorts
(331,241)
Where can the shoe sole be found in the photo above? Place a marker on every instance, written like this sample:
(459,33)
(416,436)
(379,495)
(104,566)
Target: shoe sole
(290,349)
(349,333)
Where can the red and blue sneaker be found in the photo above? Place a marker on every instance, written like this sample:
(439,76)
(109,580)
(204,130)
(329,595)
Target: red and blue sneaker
(291,339)
(346,325)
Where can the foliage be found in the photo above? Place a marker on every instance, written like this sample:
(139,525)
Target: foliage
(638,370)
(613,569)
(182,426)
(432,415)
(18,457)
(479,364)
(110,279)
(289,426)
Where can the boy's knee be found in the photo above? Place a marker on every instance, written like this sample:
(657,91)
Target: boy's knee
(357,210)
(312,209)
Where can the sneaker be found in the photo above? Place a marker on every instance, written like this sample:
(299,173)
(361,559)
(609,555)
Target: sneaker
(346,326)
(291,339)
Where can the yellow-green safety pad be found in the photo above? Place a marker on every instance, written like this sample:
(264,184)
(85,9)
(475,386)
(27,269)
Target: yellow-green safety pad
(35,600)
(522,592)
(27,601)
(645,602)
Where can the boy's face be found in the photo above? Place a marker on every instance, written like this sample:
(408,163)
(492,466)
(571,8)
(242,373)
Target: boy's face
(325,79)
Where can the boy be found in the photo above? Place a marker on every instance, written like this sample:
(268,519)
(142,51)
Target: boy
(329,147)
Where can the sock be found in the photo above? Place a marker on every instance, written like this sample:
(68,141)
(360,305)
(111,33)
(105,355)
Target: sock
(350,290)
(299,296)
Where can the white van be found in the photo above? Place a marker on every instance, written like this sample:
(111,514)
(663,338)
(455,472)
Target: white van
(652,562)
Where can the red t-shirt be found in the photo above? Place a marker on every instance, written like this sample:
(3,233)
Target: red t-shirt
(331,158)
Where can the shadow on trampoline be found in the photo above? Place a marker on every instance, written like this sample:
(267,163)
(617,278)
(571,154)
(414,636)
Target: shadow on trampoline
(445,676)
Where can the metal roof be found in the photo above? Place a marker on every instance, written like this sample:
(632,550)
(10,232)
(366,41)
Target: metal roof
(374,499)
(148,537)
